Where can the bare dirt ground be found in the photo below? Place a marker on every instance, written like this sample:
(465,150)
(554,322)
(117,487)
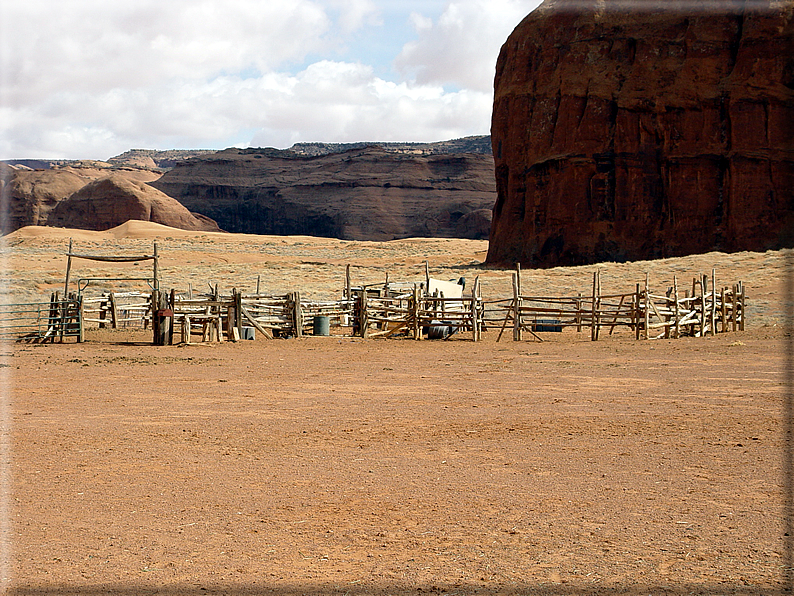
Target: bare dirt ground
(334,465)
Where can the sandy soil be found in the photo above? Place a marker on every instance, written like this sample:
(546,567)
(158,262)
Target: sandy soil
(334,465)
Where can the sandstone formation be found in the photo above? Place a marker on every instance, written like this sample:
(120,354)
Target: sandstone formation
(362,194)
(111,201)
(623,134)
(28,196)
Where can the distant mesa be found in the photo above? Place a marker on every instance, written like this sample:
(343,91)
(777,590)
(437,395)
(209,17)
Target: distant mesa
(480,145)
(622,134)
(157,160)
(363,193)
(111,201)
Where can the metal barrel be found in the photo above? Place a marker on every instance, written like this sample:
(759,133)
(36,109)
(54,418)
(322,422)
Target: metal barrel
(321,325)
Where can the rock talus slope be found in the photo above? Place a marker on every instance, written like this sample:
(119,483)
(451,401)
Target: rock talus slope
(361,194)
(621,133)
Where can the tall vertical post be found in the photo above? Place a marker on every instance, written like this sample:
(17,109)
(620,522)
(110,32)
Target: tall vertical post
(713,314)
(647,306)
(704,284)
(363,317)
(68,269)
(741,307)
(80,320)
(238,311)
(156,267)
(427,278)
(676,312)
(415,312)
(594,309)
(518,277)
(516,309)
(475,322)
(172,319)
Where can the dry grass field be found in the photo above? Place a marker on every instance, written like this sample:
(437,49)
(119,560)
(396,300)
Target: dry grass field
(336,465)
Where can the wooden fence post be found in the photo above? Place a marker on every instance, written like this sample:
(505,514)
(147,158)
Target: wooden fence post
(713,312)
(516,308)
(171,305)
(741,308)
(704,281)
(475,323)
(594,309)
(186,330)
(114,313)
(676,312)
(647,307)
(80,320)
(238,311)
(723,310)
(297,314)
(363,314)
(415,306)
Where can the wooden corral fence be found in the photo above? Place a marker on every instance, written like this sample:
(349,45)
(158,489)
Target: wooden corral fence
(705,311)
(118,310)
(388,311)
(42,322)
(432,308)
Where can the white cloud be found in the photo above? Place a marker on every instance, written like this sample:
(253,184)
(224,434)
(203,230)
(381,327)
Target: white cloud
(461,47)
(91,78)
(355,14)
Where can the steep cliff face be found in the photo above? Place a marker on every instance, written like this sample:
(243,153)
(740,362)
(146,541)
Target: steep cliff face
(622,134)
(362,194)
(111,201)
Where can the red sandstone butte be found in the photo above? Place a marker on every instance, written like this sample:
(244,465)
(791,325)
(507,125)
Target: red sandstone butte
(109,202)
(631,130)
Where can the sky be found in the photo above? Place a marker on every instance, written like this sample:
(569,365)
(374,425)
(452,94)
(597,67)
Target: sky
(90,79)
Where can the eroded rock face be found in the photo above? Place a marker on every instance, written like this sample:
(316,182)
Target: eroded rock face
(361,194)
(620,134)
(29,196)
(111,201)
